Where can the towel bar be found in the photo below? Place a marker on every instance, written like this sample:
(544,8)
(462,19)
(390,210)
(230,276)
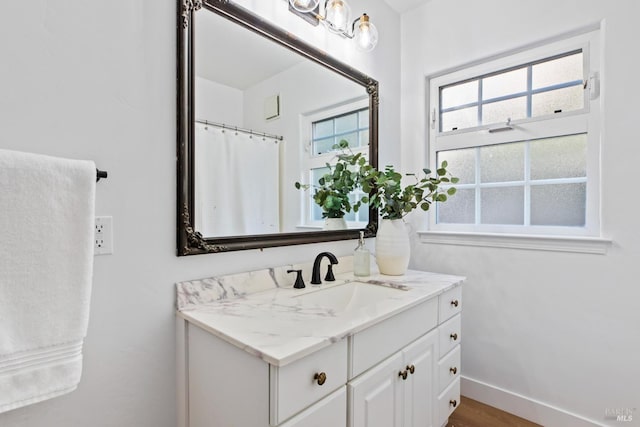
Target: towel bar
(100,174)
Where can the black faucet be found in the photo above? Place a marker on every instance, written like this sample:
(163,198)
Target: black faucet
(315,274)
(299,280)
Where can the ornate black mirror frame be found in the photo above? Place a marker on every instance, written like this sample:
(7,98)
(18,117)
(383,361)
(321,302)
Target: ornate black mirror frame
(189,240)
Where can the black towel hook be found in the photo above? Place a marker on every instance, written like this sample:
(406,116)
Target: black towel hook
(100,174)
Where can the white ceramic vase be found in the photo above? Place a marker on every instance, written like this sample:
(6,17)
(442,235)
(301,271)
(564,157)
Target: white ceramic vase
(393,247)
(335,224)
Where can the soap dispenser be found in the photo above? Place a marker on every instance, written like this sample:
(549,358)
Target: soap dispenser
(361,258)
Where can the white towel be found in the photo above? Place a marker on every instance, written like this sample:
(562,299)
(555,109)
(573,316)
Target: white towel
(46,263)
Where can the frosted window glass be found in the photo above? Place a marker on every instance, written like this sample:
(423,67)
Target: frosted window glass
(561,157)
(504,84)
(499,112)
(318,173)
(459,209)
(504,205)
(363,211)
(316,213)
(347,123)
(566,99)
(363,119)
(500,163)
(350,216)
(559,204)
(459,119)
(460,94)
(351,138)
(364,138)
(462,164)
(322,129)
(561,70)
(323,145)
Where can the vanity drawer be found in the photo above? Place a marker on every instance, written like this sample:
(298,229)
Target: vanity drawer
(448,369)
(330,411)
(298,385)
(450,334)
(448,401)
(380,341)
(450,304)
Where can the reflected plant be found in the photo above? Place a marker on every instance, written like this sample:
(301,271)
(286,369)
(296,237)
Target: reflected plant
(333,188)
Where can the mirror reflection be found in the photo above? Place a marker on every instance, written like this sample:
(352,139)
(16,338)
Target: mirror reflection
(265,118)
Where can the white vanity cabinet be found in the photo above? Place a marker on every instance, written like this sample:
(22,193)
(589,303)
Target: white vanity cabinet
(399,391)
(399,371)
(450,336)
(222,385)
(419,385)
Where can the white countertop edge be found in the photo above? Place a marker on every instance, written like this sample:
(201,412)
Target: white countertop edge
(306,349)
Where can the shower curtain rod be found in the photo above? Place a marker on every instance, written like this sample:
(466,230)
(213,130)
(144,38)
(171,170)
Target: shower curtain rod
(237,129)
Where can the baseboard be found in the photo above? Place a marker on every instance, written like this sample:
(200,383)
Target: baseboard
(522,406)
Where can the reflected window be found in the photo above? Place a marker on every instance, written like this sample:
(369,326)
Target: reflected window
(352,127)
(325,129)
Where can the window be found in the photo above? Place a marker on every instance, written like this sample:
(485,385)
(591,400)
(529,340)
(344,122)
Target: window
(348,122)
(549,86)
(522,134)
(352,126)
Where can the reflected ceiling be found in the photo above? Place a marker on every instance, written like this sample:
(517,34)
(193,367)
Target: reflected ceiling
(259,59)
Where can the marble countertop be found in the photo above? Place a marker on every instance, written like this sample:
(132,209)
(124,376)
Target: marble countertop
(273,324)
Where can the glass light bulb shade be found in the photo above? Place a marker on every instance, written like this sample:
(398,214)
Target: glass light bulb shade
(337,14)
(304,6)
(365,34)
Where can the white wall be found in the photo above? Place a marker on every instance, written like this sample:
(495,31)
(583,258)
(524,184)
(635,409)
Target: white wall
(218,103)
(96,80)
(557,328)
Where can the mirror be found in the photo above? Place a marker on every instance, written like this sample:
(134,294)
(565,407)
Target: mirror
(259,110)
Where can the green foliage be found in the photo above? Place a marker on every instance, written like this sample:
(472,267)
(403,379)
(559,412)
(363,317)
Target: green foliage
(394,201)
(385,189)
(333,188)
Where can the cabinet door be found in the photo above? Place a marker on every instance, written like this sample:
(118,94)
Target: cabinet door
(421,386)
(375,397)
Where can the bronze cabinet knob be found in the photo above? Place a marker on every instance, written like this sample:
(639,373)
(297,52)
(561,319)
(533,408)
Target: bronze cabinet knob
(453,370)
(320,378)
(454,336)
(411,368)
(403,374)
(453,403)
(454,302)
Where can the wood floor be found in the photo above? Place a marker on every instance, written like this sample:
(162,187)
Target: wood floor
(472,413)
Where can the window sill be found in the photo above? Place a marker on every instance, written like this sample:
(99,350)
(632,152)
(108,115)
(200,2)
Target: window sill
(308,227)
(587,245)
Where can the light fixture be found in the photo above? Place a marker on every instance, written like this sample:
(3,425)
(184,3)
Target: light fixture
(336,19)
(365,34)
(336,15)
(304,6)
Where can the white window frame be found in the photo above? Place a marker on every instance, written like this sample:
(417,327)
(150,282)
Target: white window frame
(310,161)
(586,120)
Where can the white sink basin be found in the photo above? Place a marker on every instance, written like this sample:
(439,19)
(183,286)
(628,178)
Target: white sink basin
(349,296)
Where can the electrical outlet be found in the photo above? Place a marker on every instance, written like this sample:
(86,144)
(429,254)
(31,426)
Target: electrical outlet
(103,235)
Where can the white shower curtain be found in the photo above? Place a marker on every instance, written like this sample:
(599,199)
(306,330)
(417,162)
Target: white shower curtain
(237,182)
